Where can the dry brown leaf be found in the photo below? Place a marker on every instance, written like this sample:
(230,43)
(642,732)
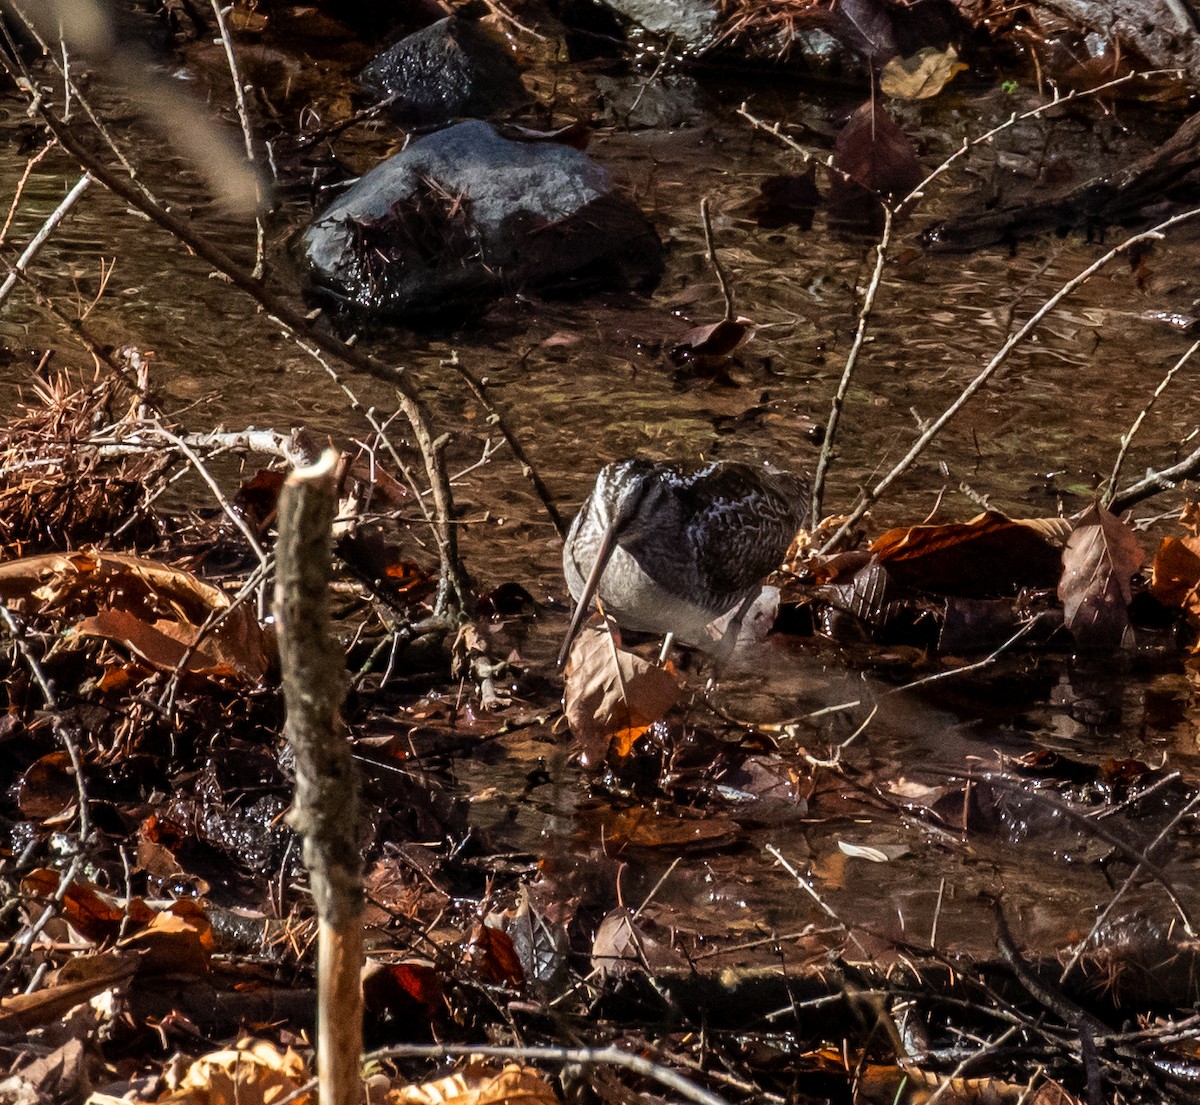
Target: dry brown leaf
(1055,530)
(91,914)
(1096,586)
(606,690)
(166,601)
(494,958)
(480,1084)
(253,1073)
(177,941)
(89,975)
(718,339)
(1175,577)
(922,75)
(990,555)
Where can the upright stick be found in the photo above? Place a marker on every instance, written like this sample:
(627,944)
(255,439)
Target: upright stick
(325,811)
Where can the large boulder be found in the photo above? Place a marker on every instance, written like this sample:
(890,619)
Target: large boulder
(464,216)
(450,69)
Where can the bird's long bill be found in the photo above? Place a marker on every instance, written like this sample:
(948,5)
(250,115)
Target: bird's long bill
(603,553)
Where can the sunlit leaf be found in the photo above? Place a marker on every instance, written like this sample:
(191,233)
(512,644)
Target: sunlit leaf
(875,853)
(177,941)
(480,1084)
(88,976)
(1096,587)
(922,75)
(621,943)
(494,958)
(1175,576)
(154,609)
(253,1073)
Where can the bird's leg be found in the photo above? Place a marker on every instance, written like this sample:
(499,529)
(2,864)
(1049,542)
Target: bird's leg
(728,641)
(668,641)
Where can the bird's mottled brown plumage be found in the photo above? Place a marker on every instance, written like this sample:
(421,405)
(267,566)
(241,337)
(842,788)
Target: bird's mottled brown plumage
(687,544)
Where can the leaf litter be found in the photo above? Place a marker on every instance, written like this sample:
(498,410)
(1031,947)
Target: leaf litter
(202,891)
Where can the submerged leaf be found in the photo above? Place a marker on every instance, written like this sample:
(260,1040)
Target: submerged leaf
(874,151)
(1096,586)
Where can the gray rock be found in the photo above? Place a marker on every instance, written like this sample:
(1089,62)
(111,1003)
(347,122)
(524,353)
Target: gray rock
(690,24)
(465,216)
(449,69)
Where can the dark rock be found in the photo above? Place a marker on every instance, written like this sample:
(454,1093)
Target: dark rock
(464,216)
(452,68)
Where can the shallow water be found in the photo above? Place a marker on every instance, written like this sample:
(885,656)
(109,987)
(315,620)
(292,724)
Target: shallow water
(586,381)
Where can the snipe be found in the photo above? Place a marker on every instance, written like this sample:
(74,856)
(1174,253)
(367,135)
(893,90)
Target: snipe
(668,549)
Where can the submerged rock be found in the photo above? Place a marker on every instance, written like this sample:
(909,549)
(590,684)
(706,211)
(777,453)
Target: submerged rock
(465,216)
(668,102)
(449,69)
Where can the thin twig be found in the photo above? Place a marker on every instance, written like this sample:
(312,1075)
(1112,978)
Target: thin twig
(584,1056)
(868,499)
(1137,422)
(39,239)
(1165,479)
(1149,851)
(239,96)
(19,191)
(991,658)
(17,631)
(70,88)
(231,512)
(839,398)
(478,387)
(807,887)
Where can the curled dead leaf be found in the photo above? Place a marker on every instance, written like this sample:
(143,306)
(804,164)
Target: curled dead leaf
(1099,562)
(1175,576)
(607,690)
(480,1084)
(922,75)
(718,339)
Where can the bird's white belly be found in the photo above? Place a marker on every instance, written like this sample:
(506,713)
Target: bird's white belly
(637,602)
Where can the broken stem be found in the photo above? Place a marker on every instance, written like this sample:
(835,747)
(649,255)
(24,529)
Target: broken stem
(715,261)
